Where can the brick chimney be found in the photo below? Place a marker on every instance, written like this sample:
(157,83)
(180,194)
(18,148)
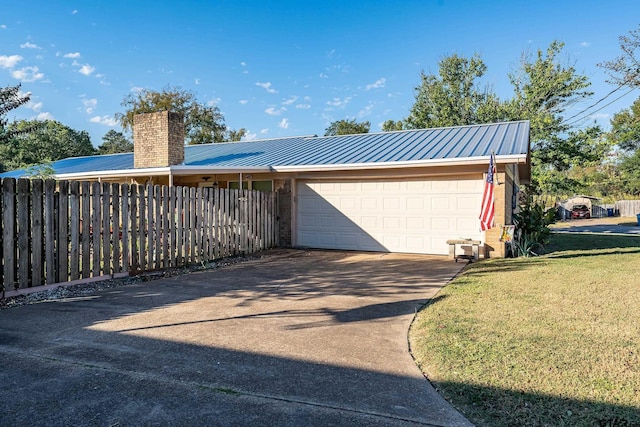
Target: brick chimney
(158,139)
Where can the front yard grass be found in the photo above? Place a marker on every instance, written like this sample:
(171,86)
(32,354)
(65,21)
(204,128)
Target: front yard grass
(552,340)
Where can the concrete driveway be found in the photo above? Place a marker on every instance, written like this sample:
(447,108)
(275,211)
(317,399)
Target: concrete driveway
(293,338)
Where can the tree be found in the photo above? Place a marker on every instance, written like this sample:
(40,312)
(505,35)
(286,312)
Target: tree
(630,171)
(452,98)
(625,127)
(115,142)
(46,141)
(10,99)
(347,127)
(236,135)
(625,69)
(391,125)
(544,88)
(203,123)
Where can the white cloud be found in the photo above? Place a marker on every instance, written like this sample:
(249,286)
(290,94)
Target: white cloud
(290,100)
(35,106)
(29,45)
(27,74)
(87,69)
(243,101)
(249,136)
(89,105)
(44,116)
(585,44)
(267,87)
(71,55)
(136,89)
(284,123)
(244,64)
(339,103)
(378,84)
(214,102)
(74,12)
(104,120)
(303,106)
(264,131)
(366,110)
(196,81)
(323,76)
(600,116)
(9,61)
(272,111)
(4,27)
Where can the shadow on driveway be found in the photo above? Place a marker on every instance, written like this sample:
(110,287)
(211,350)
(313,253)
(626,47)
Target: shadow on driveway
(294,338)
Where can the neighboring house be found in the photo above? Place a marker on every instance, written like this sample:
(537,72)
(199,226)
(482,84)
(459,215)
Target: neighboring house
(405,191)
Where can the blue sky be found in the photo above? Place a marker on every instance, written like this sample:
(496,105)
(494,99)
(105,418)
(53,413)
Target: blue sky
(289,67)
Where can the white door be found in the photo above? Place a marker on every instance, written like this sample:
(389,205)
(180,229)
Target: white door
(415,216)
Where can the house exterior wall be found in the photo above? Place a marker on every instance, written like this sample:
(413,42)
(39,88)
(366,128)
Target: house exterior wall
(285,209)
(158,139)
(503,205)
(283,185)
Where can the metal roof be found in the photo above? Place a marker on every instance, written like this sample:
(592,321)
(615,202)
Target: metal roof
(509,140)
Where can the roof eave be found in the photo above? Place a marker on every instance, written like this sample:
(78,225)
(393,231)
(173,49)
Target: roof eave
(170,170)
(483,160)
(198,170)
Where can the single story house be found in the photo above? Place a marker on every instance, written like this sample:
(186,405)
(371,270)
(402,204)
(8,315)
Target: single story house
(403,191)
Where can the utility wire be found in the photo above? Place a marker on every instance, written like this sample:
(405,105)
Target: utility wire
(595,111)
(596,103)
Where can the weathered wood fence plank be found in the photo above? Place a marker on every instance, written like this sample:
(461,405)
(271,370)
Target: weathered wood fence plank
(37,233)
(74,225)
(24,232)
(56,231)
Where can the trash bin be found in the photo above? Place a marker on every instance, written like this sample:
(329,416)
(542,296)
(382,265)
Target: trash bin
(609,211)
(638,218)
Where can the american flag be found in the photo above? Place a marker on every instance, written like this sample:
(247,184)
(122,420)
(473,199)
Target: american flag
(488,211)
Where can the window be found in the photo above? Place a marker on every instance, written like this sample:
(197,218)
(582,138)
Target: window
(264,185)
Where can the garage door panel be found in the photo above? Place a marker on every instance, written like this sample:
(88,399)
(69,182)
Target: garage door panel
(440,203)
(416,216)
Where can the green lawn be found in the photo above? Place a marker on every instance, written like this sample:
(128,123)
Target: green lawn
(552,340)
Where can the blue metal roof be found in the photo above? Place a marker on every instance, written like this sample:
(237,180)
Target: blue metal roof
(459,142)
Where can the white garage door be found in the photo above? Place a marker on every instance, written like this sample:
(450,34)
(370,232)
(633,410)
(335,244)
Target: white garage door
(387,216)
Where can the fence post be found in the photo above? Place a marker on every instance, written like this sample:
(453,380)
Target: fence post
(23,232)
(86,229)
(116,227)
(125,227)
(135,265)
(74,206)
(63,231)
(37,233)
(8,231)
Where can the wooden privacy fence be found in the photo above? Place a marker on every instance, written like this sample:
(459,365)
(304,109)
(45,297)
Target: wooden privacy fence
(628,207)
(60,231)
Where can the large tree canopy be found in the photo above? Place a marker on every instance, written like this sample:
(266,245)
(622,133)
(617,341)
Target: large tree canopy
(203,123)
(10,99)
(347,127)
(452,97)
(46,141)
(625,127)
(624,70)
(115,142)
(545,88)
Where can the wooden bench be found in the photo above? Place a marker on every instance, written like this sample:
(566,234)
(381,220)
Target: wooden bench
(475,249)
